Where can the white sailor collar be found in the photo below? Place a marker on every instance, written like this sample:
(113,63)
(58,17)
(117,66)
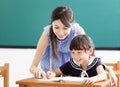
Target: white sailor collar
(92,62)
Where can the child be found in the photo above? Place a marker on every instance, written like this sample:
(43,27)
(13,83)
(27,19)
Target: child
(83,62)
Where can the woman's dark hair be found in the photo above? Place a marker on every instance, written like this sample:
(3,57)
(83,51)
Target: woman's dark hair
(82,42)
(65,15)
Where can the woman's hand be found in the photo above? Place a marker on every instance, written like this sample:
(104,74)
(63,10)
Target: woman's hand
(113,83)
(39,73)
(50,74)
(112,76)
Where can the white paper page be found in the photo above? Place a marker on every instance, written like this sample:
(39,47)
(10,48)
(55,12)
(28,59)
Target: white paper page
(72,79)
(50,80)
(67,79)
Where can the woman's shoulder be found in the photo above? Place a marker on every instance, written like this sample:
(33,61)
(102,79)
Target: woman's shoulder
(47,29)
(78,28)
(75,24)
(74,28)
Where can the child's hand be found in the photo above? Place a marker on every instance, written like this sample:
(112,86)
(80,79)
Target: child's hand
(50,74)
(88,81)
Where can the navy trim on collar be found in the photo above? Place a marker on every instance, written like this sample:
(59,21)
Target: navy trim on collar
(80,68)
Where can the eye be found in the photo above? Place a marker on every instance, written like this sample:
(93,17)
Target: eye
(56,27)
(72,52)
(79,52)
(66,28)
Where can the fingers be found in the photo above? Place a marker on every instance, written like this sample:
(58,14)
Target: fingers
(43,75)
(50,74)
(113,84)
(39,74)
(88,81)
(114,81)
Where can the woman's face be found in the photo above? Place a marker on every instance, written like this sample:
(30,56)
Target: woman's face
(60,30)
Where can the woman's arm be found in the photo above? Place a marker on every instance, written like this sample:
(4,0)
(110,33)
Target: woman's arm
(41,47)
(80,30)
(112,76)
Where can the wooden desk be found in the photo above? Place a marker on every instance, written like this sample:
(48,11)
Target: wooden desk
(31,82)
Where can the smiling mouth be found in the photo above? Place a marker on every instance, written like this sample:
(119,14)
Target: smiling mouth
(60,37)
(78,60)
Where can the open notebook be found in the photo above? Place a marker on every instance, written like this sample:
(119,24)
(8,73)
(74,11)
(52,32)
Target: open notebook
(67,79)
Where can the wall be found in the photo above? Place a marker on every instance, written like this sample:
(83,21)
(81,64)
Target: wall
(22,21)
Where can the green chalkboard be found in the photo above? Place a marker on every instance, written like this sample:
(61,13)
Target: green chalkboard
(22,21)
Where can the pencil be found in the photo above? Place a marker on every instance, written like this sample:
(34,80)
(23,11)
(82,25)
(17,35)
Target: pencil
(50,64)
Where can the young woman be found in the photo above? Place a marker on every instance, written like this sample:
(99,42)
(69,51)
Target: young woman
(83,62)
(55,40)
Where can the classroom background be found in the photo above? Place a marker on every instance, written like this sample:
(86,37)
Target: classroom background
(22,22)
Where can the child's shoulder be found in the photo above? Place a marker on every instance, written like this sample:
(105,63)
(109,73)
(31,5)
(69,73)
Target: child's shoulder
(94,61)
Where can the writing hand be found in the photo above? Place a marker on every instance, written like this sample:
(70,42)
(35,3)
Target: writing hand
(50,74)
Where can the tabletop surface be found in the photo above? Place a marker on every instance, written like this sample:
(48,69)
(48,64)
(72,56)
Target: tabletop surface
(33,81)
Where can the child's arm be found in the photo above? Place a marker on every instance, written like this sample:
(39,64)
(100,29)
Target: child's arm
(101,76)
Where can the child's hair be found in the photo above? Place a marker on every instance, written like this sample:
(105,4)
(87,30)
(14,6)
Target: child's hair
(82,42)
(65,14)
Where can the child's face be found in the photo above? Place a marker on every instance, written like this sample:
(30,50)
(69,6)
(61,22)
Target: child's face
(60,30)
(80,56)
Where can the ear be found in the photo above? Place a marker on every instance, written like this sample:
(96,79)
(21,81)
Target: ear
(91,50)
